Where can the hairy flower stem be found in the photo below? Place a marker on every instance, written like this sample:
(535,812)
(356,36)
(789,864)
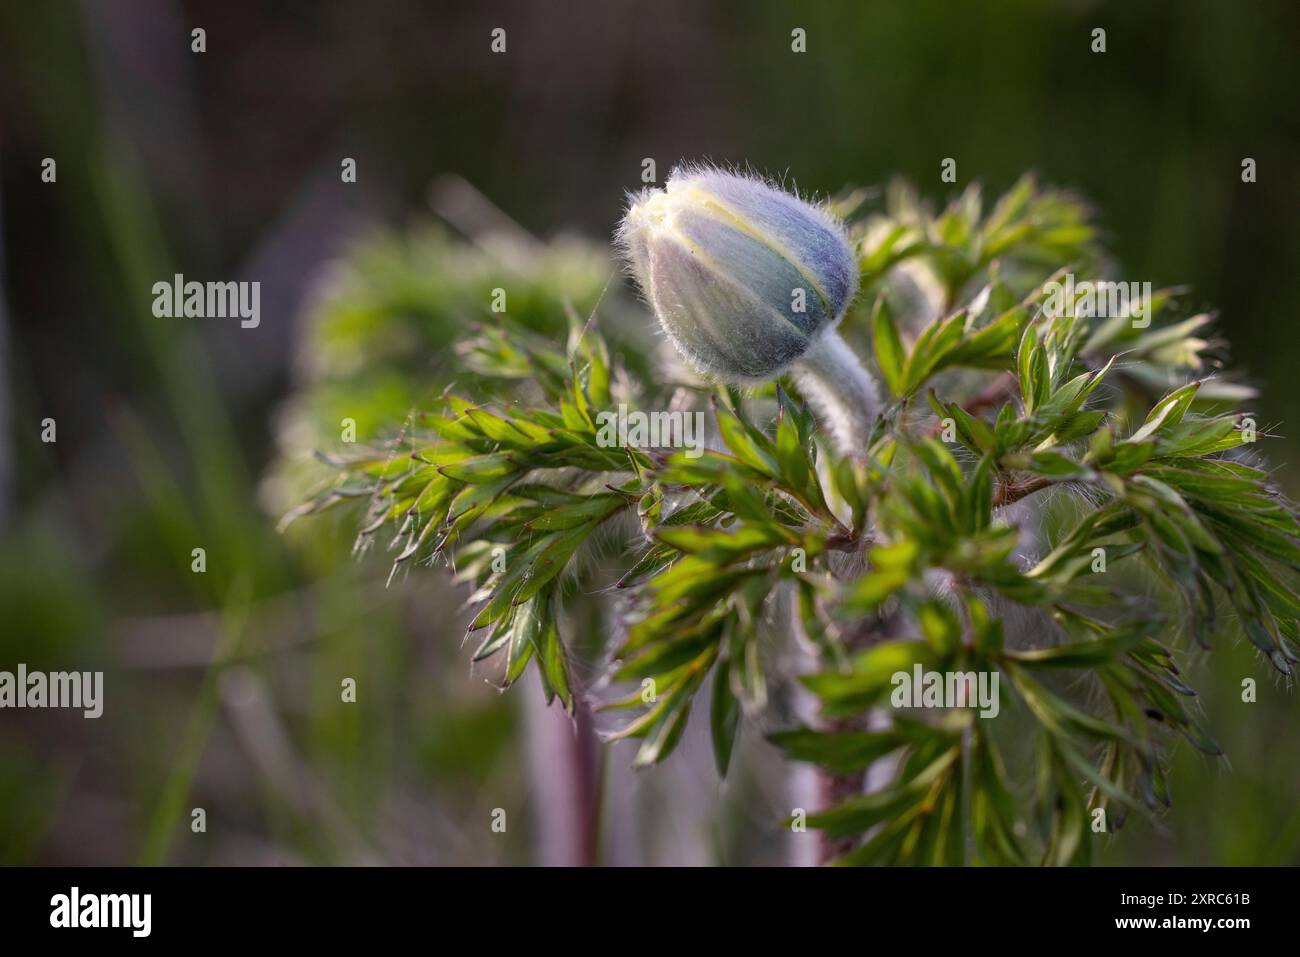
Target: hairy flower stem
(833,789)
(845,400)
(565,788)
(842,394)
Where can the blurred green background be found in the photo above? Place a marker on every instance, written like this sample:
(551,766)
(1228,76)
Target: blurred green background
(225,165)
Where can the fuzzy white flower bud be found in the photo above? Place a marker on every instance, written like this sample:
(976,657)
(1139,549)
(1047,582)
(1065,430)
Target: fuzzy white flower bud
(741,275)
(748,282)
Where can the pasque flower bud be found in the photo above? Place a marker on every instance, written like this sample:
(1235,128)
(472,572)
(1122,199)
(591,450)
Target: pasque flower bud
(748,282)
